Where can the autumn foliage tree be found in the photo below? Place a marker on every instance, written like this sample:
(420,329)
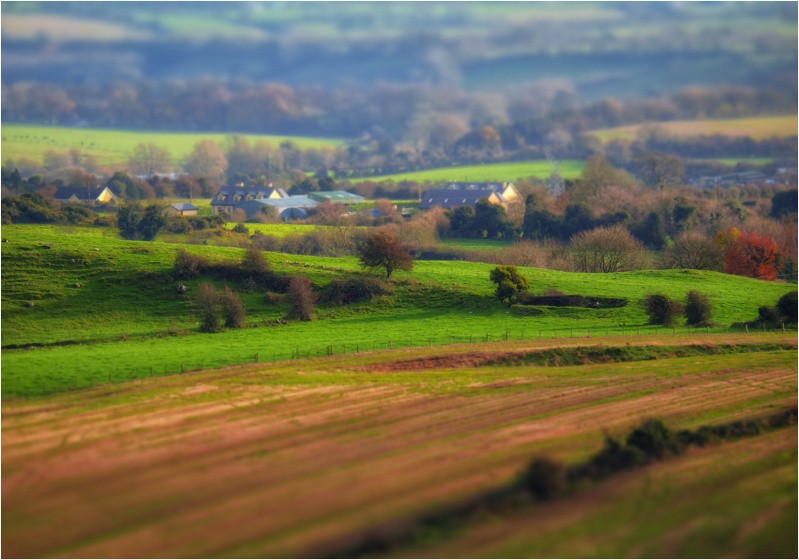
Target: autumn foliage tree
(754,256)
(383,249)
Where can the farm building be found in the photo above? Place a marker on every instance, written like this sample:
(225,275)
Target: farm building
(468,194)
(336,197)
(99,194)
(181,209)
(292,207)
(231,198)
(252,201)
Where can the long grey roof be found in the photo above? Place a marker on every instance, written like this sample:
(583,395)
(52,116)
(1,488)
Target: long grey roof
(452,198)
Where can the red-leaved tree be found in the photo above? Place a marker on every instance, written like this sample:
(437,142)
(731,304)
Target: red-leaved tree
(754,256)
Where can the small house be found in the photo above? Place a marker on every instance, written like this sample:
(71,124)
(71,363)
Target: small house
(96,194)
(181,209)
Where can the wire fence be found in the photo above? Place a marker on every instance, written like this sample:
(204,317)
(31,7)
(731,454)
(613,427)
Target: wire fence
(269,355)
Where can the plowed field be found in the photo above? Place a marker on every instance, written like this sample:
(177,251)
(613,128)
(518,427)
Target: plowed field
(298,458)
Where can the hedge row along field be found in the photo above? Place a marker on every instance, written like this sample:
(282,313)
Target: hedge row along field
(107,310)
(299,459)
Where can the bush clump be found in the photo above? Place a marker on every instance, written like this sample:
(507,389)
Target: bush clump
(188,266)
(698,309)
(232,309)
(787,307)
(205,302)
(510,284)
(662,310)
(544,479)
(301,299)
(655,440)
(562,300)
(343,291)
(214,306)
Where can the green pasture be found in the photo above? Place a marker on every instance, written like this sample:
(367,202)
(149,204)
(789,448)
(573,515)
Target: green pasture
(114,147)
(758,128)
(474,244)
(509,171)
(126,319)
(278,230)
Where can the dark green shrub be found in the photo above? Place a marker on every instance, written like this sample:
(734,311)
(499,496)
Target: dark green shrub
(768,315)
(342,291)
(698,309)
(241,228)
(562,300)
(137,224)
(613,457)
(654,439)
(787,307)
(662,310)
(177,225)
(510,284)
(705,435)
(544,479)
(785,418)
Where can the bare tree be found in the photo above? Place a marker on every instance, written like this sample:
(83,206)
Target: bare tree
(606,249)
(207,160)
(693,250)
(149,159)
(301,299)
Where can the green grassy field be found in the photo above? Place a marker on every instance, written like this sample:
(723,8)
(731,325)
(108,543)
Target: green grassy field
(114,147)
(758,128)
(278,230)
(469,244)
(511,171)
(131,322)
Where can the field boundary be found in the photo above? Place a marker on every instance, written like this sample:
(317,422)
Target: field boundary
(625,337)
